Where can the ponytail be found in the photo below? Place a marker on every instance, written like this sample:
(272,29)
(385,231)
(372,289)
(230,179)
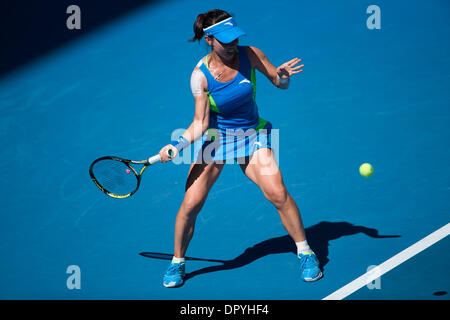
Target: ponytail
(198,27)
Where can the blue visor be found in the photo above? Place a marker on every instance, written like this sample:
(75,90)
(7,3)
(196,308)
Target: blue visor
(225,31)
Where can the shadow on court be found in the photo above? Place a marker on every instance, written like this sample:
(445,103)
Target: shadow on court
(30,29)
(318,237)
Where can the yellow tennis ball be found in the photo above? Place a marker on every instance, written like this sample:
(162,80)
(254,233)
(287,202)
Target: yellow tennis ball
(366,169)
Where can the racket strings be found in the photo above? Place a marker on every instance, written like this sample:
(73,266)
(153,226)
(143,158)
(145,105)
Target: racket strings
(115,176)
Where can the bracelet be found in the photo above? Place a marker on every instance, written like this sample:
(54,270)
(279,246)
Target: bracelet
(180,143)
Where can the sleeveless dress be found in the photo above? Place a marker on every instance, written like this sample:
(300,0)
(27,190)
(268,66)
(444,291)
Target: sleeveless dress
(235,128)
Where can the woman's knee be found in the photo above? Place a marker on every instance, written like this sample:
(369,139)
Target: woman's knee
(277,195)
(191,206)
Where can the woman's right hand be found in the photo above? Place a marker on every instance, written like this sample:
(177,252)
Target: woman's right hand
(163,153)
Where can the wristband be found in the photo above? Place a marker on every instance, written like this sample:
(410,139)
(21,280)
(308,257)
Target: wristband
(180,143)
(284,82)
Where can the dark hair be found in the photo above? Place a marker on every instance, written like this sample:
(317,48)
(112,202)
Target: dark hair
(205,20)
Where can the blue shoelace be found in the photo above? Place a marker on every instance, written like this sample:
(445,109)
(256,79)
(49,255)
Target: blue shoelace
(307,262)
(175,268)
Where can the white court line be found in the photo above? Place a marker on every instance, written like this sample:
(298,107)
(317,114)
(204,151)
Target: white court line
(390,264)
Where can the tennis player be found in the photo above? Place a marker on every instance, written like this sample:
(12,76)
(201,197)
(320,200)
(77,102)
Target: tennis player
(223,86)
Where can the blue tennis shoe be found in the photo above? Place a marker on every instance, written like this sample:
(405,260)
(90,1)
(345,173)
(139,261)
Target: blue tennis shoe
(309,266)
(174,275)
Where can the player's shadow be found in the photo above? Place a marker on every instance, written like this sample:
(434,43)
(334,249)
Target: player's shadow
(318,237)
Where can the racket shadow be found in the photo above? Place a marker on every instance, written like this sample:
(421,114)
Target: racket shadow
(318,236)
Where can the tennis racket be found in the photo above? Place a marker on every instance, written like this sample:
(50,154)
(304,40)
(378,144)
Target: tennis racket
(117,177)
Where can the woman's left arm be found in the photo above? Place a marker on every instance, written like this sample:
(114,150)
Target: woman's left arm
(278,76)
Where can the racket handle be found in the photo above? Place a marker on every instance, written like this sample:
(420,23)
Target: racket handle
(154,159)
(157,158)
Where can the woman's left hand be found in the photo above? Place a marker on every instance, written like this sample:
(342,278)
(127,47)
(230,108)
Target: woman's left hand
(288,69)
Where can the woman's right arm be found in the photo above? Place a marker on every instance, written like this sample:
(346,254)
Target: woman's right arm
(201,116)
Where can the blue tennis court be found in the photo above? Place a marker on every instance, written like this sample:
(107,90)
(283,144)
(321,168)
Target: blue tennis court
(366,95)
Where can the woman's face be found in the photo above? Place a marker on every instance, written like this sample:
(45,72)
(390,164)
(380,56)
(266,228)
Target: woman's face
(226,51)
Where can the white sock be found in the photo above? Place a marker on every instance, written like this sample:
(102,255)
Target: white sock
(177,260)
(303,246)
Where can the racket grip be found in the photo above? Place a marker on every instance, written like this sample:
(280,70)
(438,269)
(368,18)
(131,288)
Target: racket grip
(157,158)
(154,159)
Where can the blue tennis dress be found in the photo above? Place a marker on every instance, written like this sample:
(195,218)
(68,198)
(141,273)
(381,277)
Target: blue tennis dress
(235,128)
